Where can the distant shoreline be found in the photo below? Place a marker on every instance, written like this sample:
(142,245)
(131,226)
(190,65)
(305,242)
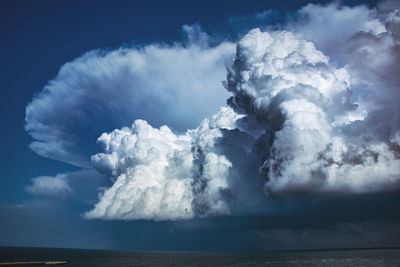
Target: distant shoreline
(30,263)
(203,251)
(20,256)
(182,251)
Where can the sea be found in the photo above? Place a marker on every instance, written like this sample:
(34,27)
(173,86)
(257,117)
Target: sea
(84,257)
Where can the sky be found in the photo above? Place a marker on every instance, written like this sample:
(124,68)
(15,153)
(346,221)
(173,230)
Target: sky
(202,125)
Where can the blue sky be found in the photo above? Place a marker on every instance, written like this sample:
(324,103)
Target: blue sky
(38,38)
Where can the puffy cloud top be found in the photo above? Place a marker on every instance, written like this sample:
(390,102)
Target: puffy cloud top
(289,88)
(160,175)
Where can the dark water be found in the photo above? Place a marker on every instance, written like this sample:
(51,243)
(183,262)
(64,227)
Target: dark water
(81,257)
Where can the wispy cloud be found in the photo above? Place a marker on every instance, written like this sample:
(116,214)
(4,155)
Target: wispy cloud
(56,186)
(100,91)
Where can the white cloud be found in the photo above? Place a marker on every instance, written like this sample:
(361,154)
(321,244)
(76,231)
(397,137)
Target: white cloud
(160,175)
(367,42)
(50,186)
(330,26)
(289,88)
(100,91)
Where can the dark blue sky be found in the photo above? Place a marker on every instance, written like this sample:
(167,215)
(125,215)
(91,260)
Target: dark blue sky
(37,38)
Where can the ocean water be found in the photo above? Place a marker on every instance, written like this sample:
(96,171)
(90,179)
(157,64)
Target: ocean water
(83,257)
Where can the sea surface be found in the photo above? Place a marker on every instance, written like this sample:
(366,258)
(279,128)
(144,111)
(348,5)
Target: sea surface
(83,257)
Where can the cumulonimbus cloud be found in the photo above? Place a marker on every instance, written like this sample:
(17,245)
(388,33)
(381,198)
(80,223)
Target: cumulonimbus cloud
(302,116)
(296,109)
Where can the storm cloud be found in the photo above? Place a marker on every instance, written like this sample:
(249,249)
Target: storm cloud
(311,109)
